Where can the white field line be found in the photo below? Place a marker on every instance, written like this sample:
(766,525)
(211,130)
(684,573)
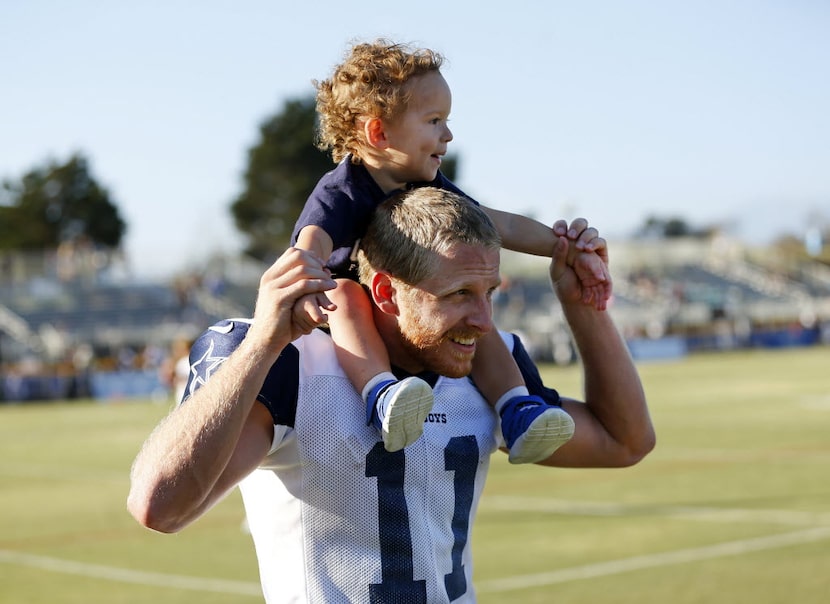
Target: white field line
(695,554)
(124,575)
(732,548)
(706,513)
(588,571)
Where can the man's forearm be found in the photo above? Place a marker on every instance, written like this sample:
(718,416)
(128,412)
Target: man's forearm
(174,477)
(613,391)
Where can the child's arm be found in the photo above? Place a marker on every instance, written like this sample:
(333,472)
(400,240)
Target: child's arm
(522,234)
(588,255)
(315,240)
(308,310)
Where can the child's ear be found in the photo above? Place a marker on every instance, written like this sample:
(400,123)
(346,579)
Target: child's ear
(375,133)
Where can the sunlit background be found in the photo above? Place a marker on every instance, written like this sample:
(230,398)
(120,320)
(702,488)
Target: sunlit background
(694,135)
(713,112)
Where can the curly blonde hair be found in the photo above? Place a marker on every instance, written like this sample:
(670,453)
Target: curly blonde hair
(370,82)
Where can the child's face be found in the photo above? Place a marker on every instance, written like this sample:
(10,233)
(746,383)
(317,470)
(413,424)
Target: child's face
(418,138)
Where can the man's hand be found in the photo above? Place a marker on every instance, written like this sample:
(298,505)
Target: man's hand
(580,264)
(296,274)
(587,257)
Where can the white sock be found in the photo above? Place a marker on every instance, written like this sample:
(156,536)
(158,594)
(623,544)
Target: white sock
(517,391)
(384,376)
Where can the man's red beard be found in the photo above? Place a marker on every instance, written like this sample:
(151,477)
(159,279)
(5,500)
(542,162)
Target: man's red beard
(427,349)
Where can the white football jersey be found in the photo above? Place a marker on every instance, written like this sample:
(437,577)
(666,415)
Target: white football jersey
(337,518)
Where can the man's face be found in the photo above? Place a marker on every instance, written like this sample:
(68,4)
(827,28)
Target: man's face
(441,319)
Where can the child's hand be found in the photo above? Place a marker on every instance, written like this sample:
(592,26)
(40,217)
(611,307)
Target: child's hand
(594,278)
(588,257)
(308,311)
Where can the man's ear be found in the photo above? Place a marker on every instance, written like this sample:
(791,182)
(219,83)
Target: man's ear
(384,293)
(375,133)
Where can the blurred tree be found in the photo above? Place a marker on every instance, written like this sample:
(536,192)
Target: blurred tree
(283,168)
(794,248)
(449,166)
(58,203)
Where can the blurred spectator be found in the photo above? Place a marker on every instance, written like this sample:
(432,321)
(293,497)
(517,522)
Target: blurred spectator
(175,369)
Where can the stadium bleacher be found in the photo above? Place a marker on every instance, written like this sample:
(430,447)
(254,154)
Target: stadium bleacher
(669,298)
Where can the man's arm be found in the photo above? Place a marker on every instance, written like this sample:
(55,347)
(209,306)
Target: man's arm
(220,434)
(613,426)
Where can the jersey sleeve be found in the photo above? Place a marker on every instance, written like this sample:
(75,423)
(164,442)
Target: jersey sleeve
(219,341)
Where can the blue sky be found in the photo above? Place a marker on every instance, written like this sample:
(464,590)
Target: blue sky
(714,111)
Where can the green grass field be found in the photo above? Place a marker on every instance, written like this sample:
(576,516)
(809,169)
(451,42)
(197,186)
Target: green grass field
(732,507)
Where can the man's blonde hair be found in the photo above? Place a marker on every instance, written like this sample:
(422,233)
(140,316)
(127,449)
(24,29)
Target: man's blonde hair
(410,230)
(370,82)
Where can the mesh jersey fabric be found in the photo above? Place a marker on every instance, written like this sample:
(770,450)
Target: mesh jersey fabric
(337,518)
